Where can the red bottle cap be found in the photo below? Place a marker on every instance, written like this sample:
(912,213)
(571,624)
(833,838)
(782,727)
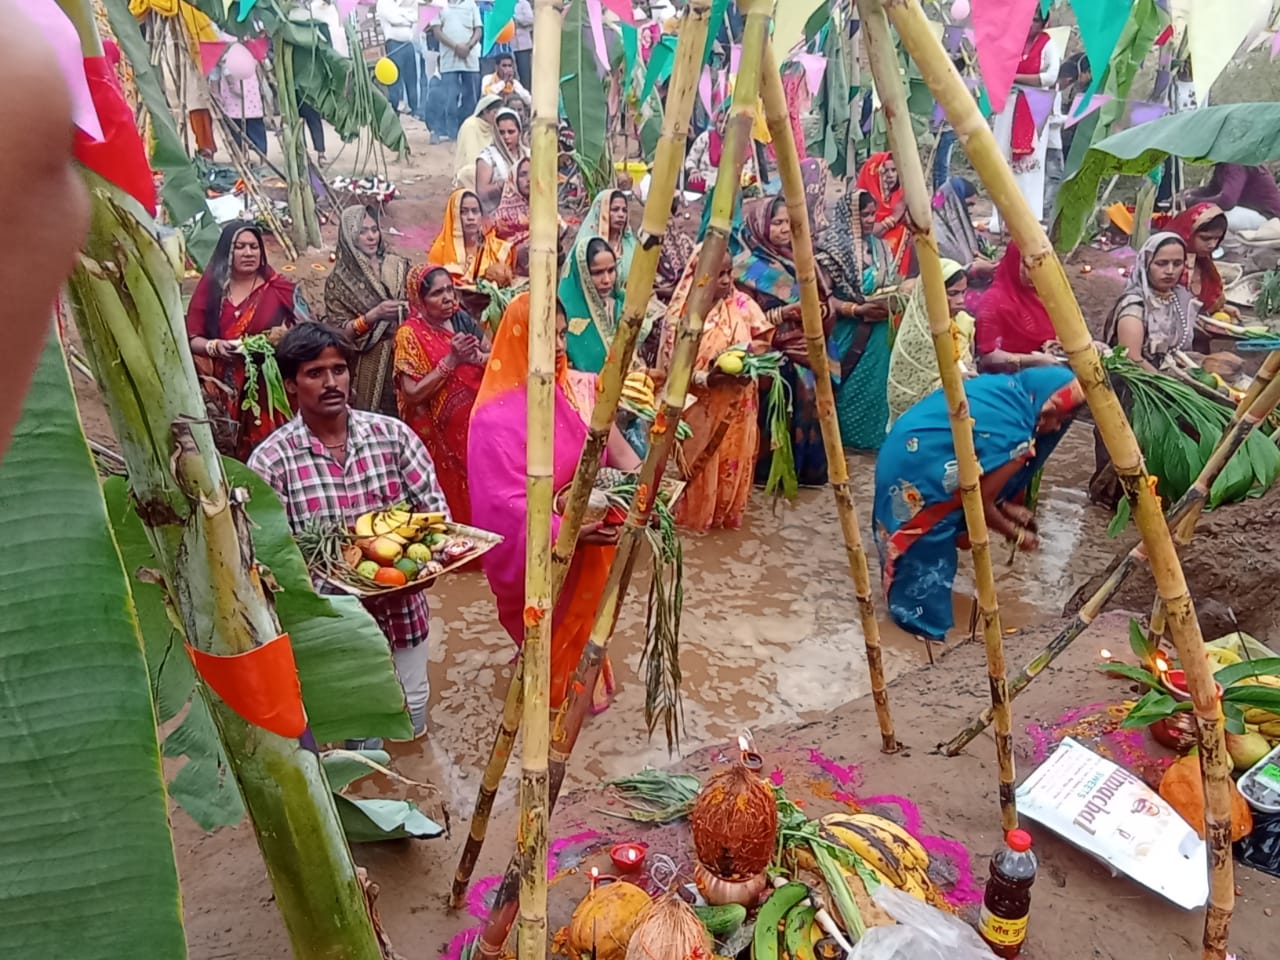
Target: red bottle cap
(1018,840)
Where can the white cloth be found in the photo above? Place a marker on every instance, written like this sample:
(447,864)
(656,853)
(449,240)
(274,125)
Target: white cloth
(458,20)
(524,26)
(1029,173)
(411,668)
(398,19)
(494,84)
(322,11)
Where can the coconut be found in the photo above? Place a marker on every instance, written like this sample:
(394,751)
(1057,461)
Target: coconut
(734,823)
(669,930)
(605,920)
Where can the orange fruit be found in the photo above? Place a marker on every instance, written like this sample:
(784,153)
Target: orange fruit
(391,577)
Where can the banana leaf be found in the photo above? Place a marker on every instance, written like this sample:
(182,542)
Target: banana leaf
(87,857)
(586,104)
(349,686)
(183,191)
(1247,133)
(367,820)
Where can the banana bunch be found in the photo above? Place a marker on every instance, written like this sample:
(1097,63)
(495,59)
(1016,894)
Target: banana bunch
(786,927)
(637,389)
(399,525)
(894,855)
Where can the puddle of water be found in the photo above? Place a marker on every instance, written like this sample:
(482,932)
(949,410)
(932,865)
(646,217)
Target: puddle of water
(771,632)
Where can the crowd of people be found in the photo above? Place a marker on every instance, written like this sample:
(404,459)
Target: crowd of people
(430,361)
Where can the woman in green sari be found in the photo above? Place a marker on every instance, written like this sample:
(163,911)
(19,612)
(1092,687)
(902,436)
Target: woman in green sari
(610,219)
(589,292)
(857,264)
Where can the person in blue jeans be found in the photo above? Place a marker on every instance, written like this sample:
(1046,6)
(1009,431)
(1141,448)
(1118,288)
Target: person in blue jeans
(405,56)
(458,29)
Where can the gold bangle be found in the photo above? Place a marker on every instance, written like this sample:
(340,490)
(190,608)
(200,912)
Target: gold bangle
(209,348)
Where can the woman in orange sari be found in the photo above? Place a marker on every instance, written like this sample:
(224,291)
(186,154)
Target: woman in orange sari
(496,452)
(722,450)
(879,177)
(462,247)
(238,296)
(439,362)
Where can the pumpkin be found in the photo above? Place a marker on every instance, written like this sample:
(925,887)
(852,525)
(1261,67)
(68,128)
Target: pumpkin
(734,823)
(1183,789)
(605,919)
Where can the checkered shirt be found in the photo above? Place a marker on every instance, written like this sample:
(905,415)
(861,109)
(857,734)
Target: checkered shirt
(386,464)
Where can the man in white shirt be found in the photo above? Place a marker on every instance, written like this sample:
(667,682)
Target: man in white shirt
(399,22)
(458,30)
(503,81)
(523,43)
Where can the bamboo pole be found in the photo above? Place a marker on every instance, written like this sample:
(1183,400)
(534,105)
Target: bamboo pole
(884,68)
(661,436)
(668,161)
(1263,402)
(535,813)
(1055,291)
(779,122)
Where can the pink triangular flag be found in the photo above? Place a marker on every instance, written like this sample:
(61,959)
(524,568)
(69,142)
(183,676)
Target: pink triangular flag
(815,67)
(344,8)
(704,88)
(1096,101)
(259,47)
(735,54)
(1041,104)
(623,10)
(426,14)
(595,16)
(1275,45)
(210,54)
(60,34)
(1000,32)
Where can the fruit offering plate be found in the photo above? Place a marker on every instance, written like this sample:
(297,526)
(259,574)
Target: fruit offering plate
(402,562)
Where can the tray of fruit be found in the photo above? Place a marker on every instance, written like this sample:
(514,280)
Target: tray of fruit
(393,552)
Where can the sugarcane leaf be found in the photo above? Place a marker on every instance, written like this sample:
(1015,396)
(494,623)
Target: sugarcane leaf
(1154,705)
(1144,677)
(586,104)
(1249,695)
(1234,717)
(87,858)
(374,819)
(1140,643)
(1232,672)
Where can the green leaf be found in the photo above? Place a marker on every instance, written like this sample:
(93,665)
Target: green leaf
(344,767)
(1266,667)
(1121,519)
(340,88)
(87,857)
(585,102)
(1247,133)
(371,820)
(1141,644)
(1152,707)
(1234,717)
(1250,695)
(1144,677)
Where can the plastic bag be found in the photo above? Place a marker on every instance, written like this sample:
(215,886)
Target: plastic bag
(1261,848)
(921,933)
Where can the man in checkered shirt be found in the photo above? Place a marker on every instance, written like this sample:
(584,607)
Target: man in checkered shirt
(335,463)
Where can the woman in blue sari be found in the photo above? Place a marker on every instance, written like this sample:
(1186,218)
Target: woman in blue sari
(917,517)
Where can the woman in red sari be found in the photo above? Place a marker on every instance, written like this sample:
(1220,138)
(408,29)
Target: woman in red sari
(1202,228)
(238,296)
(879,177)
(439,363)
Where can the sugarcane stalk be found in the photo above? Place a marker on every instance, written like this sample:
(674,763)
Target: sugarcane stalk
(535,812)
(668,161)
(1055,291)
(902,140)
(302,205)
(661,435)
(779,122)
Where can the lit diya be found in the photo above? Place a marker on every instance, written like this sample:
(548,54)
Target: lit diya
(628,857)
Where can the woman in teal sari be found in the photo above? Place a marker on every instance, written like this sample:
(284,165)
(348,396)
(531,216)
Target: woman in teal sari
(589,292)
(857,264)
(610,219)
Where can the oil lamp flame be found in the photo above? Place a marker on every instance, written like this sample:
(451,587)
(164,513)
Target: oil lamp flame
(1162,665)
(1105,653)
(744,744)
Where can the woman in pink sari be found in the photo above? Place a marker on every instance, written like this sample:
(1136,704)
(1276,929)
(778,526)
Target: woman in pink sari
(496,451)
(439,362)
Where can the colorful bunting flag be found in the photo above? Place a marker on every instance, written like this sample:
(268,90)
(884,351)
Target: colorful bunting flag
(1000,32)
(1215,31)
(595,19)
(60,34)
(210,54)
(427,14)
(1040,103)
(1101,23)
(622,9)
(117,155)
(243,11)
(498,16)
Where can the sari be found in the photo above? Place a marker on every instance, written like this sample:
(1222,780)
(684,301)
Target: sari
(357,284)
(872,179)
(768,274)
(726,434)
(496,451)
(1211,294)
(952,225)
(474,135)
(501,160)
(449,249)
(593,319)
(856,267)
(596,224)
(511,218)
(917,516)
(274,302)
(1011,316)
(442,421)
(913,363)
(677,248)
(1023,146)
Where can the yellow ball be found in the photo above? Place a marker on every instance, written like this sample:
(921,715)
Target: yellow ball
(386,72)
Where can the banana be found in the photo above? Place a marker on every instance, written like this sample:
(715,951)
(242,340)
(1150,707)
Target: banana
(426,519)
(1270,729)
(1259,716)
(888,849)
(795,931)
(364,526)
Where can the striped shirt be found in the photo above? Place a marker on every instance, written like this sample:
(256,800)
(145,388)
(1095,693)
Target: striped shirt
(386,464)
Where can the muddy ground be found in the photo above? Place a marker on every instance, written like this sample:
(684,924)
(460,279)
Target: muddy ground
(772,642)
